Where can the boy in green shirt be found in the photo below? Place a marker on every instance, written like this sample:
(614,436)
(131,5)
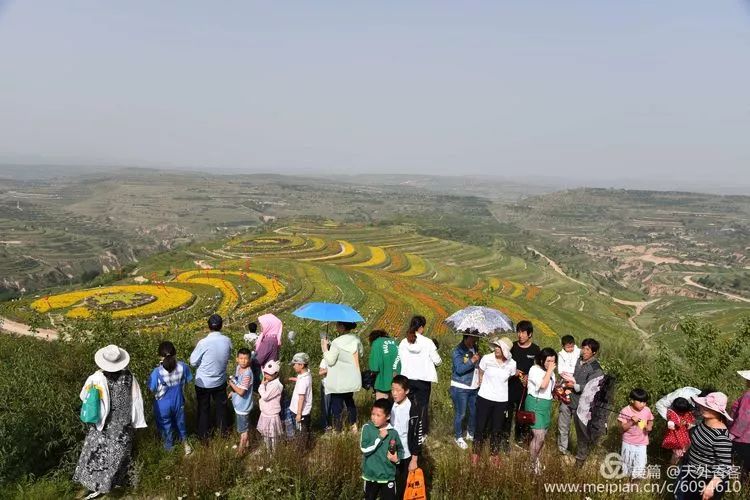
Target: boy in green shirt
(381,448)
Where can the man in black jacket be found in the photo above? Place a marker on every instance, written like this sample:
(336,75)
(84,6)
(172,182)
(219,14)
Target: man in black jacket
(406,418)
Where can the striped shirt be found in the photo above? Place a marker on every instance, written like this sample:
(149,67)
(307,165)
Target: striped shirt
(710,453)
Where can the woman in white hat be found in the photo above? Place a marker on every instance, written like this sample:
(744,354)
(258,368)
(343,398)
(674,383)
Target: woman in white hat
(706,466)
(107,450)
(495,369)
(740,429)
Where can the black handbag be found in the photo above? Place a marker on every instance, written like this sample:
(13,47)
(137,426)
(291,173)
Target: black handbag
(368,379)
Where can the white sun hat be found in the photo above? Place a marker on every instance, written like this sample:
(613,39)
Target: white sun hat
(744,374)
(112,358)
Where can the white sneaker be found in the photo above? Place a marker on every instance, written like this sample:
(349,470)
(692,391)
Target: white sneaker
(188,449)
(461,443)
(469,437)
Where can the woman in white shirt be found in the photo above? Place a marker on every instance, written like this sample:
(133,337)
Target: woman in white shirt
(539,400)
(419,357)
(492,400)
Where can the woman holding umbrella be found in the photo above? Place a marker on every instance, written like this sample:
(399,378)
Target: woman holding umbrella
(464,387)
(341,356)
(473,322)
(419,357)
(344,377)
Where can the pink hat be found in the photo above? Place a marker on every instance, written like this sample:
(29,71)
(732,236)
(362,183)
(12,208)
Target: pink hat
(271,368)
(716,401)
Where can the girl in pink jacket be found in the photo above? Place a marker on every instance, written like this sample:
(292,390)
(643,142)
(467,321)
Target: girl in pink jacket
(269,423)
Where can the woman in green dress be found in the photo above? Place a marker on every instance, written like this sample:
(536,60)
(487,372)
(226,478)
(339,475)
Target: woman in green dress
(539,400)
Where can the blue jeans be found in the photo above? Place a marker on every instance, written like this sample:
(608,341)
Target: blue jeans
(463,400)
(242,423)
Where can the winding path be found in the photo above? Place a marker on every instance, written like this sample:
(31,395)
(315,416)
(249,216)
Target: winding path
(554,266)
(689,281)
(639,307)
(14,327)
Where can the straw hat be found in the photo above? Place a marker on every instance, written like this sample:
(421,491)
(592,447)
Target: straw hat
(112,358)
(716,401)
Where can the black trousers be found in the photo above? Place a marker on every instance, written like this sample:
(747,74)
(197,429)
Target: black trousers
(338,401)
(742,458)
(204,398)
(490,422)
(384,491)
(420,391)
(520,433)
(402,475)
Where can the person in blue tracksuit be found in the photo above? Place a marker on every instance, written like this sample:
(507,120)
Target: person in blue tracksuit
(166,382)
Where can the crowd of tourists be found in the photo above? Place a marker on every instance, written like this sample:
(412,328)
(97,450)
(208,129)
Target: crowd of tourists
(502,399)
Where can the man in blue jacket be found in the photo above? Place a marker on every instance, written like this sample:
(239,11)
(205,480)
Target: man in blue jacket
(464,388)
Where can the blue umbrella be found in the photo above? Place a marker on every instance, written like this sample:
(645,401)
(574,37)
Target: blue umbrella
(325,311)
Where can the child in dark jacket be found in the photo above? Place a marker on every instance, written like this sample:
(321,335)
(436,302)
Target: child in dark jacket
(381,447)
(406,418)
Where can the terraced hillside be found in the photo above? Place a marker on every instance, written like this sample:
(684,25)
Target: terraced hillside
(387,273)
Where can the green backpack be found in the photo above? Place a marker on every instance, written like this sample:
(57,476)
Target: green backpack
(90,409)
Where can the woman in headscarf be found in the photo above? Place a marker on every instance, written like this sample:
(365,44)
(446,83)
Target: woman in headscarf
(108,448)
(269,341)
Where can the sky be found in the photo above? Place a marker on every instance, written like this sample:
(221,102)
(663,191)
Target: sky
(595,90)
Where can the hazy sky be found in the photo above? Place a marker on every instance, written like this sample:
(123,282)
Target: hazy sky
(606,89)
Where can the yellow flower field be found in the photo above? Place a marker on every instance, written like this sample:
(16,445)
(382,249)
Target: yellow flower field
(347,250)
(417,265)
(378,257)
(230,296)
(167,299)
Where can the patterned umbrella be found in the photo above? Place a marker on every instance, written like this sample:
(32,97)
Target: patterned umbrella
(479,321)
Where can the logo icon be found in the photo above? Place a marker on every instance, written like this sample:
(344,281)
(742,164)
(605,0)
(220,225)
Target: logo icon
(611,467)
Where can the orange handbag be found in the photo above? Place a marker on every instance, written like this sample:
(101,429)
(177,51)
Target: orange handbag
(415,487)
